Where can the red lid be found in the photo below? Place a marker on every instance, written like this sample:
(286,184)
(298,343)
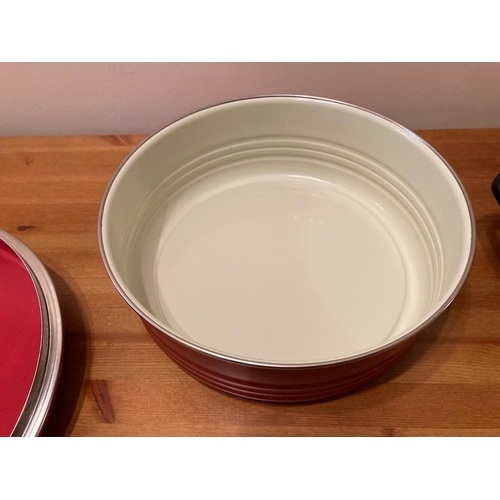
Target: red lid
(20,337)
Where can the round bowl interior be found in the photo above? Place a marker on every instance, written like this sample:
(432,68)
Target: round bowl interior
(286,230)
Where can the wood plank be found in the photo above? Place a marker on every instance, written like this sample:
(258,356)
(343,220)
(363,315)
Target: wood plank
(117,382)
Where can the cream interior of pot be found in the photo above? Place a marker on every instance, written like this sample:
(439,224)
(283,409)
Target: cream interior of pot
(287,230)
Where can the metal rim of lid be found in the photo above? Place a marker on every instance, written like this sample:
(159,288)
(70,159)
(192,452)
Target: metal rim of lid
(42,391)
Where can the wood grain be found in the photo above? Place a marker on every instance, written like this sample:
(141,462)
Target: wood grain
(116,381)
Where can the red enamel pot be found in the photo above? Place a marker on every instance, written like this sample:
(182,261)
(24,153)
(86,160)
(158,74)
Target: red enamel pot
(286,248)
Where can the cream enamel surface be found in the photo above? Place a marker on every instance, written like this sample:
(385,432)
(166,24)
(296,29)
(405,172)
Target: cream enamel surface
(286,230)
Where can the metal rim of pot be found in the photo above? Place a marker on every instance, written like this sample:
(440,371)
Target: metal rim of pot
(217,355)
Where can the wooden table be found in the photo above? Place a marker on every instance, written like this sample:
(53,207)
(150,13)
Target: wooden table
(115,380)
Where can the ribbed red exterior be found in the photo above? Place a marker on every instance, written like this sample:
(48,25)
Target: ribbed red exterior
(277,384)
